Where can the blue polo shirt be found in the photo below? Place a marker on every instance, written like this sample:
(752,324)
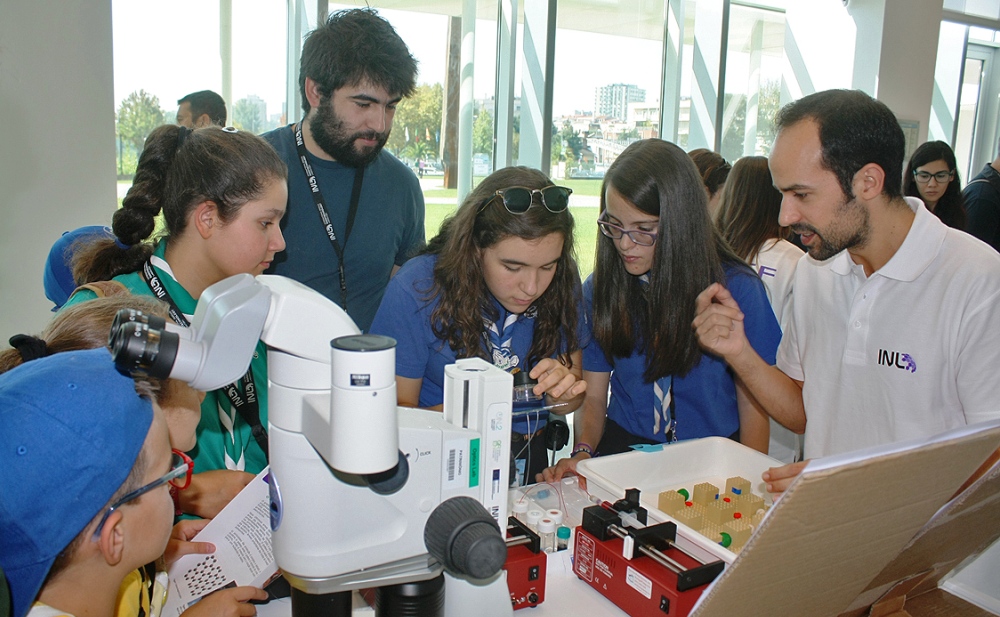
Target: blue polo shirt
(705,398)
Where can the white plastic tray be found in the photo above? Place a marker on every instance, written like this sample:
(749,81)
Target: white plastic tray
(678,465)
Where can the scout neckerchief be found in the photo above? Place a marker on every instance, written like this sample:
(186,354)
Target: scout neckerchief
(499,335)
(244,400)
(663,401)
(359,174)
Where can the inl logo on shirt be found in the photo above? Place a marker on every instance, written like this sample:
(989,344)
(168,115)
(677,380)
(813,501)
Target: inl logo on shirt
(766,271)
(897,359)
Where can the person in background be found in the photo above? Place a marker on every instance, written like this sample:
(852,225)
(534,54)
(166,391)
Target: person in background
(200,109)
(748,221)
(657,249)
(931,175)
(355,212)
(982,204)
(222,193)
(714,171)
(866,358)
(499,282)
(86,326)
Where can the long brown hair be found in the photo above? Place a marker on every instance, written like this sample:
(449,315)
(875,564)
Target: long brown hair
(179,169)
(658,178)
(464,298)
(749,208)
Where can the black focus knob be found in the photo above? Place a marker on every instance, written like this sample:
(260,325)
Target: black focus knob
(462,535)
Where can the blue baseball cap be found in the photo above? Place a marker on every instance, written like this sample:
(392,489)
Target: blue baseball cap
(72,429)
(58,274)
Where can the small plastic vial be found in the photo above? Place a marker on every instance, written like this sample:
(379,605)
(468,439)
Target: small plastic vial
(556,515)
(524,388)
(547,534)
(562,538)
(520,510)
(533,517)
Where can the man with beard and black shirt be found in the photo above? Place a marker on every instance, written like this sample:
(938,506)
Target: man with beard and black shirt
(355,212)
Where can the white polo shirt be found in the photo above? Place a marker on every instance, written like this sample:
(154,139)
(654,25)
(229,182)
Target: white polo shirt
(775,265)
(908,352)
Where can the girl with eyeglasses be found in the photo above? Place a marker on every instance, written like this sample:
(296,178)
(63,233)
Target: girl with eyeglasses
(222,194)
(657,250)
(85,325)
(499,281)
(932,176)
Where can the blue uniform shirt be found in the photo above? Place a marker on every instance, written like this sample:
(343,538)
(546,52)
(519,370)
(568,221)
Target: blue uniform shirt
(405,315)
(705,398)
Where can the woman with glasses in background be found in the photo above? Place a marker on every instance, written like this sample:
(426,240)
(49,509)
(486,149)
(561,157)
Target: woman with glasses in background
(657,250)
(499,282)
(932,176)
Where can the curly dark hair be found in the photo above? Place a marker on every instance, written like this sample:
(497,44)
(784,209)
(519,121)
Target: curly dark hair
(179,169)
(479,223)
(352,46)
(951,207)
(660,179)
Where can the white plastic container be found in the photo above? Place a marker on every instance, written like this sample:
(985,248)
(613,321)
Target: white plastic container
(678,465)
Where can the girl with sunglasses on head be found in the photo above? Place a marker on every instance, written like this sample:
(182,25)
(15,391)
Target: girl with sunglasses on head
(222,193)
(657,250)
(499,282)
(931,175)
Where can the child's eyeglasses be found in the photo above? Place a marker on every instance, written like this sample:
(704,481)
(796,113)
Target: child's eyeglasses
(517,199)
(179,476)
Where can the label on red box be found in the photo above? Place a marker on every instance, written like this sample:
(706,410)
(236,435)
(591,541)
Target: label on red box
(583,557)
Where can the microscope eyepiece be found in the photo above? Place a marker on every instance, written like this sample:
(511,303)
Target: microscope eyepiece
(140,348)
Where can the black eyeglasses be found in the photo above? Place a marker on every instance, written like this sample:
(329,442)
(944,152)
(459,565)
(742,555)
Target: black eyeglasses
(615,232)
(179,476)
(517,199)
(923,177)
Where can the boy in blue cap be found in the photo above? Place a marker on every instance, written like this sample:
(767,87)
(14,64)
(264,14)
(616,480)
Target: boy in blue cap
(86,464)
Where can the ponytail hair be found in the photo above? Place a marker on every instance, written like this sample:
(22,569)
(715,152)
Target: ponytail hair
(179,168)
(79,326)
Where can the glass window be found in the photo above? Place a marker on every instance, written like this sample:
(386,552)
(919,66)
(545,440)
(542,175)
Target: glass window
(754,61)
(154,67)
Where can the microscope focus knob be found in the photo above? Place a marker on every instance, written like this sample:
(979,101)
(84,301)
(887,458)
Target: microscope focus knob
(462,535)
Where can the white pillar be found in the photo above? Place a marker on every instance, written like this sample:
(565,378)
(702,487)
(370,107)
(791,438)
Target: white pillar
(57,154)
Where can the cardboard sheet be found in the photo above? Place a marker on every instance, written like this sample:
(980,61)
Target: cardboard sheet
(841,522)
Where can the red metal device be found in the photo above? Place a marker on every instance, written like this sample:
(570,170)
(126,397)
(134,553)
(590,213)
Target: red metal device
(525,566)
(640,570)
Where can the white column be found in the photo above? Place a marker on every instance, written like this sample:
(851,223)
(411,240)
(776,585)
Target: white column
(57,154)
(466,99)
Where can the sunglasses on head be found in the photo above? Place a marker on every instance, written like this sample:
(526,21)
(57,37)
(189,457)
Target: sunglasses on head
(517,199)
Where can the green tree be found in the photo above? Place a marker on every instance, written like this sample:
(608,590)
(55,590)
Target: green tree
(768,104)
(482,133)
(249,114)
(138,115)
(574,144)
(418,119)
